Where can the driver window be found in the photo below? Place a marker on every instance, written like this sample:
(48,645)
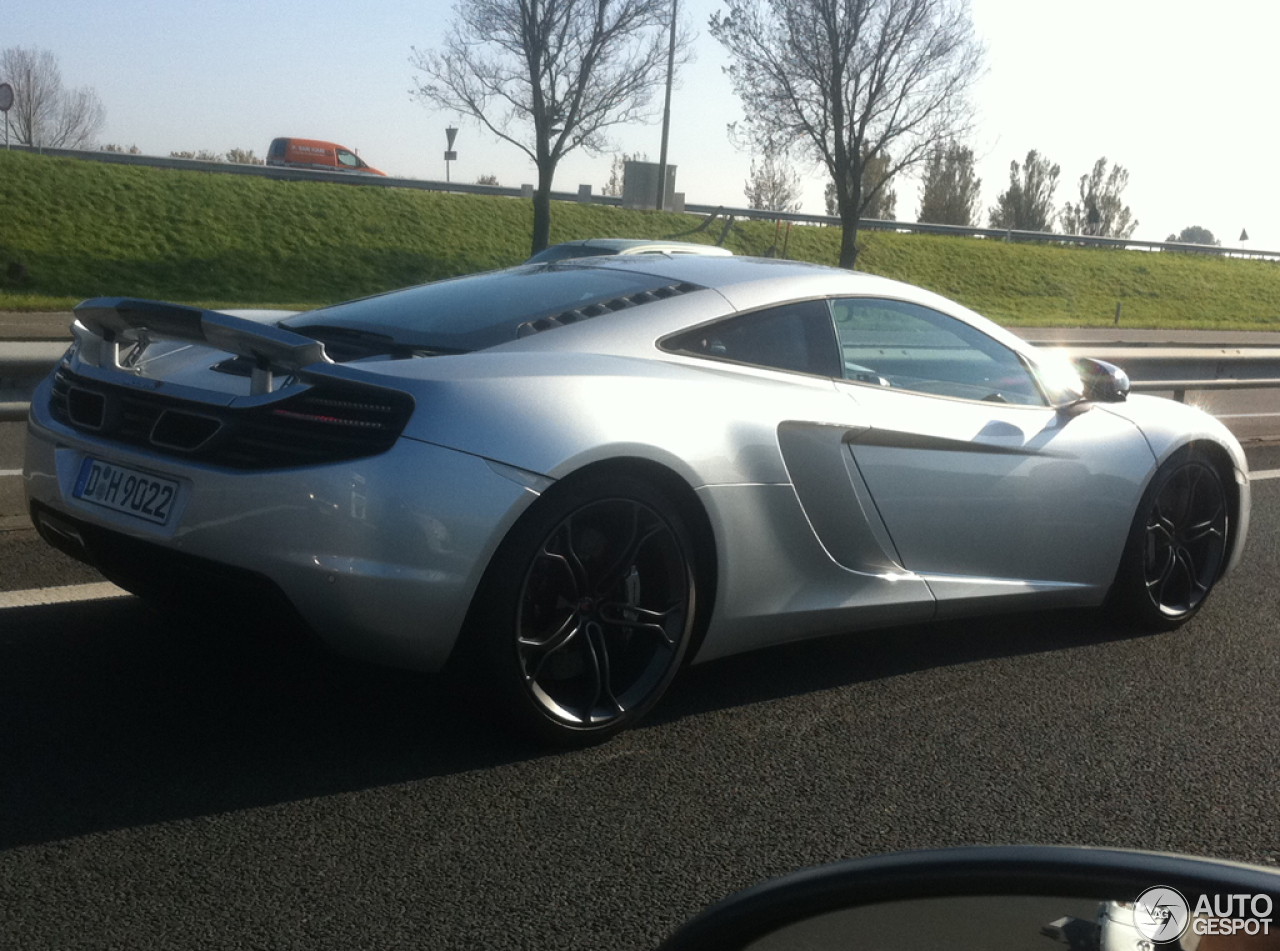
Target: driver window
(348,159)
(906,346)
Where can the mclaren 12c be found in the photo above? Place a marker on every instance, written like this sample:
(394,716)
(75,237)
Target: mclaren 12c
(570,479)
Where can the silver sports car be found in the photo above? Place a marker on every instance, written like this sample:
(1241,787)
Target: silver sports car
(571,479)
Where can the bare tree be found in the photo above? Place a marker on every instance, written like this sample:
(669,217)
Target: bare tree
(617,172)
(1101,211)
(773,184)
(950,191)
(549,76)
(851,80)
(1027,204)
(44,114)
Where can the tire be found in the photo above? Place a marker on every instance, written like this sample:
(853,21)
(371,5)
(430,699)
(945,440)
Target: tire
(1177,547)
(586,612)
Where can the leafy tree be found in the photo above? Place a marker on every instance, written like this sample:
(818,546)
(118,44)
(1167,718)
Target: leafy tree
(1101,211)
(950,192)
(851,80)
(1027,204)
(773,185)
(488,180)
(617,172)
(1194,234)
(881,200)
(549,76)
(44,114)
(243,157)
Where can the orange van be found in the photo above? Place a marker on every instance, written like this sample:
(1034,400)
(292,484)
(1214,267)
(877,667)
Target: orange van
(311,153)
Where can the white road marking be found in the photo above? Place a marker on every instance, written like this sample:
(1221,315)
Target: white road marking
(10,472)
(1264,474)
(36,597)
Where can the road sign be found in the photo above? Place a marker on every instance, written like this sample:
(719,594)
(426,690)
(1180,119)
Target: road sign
(450,156)
(6,101)
(451,133)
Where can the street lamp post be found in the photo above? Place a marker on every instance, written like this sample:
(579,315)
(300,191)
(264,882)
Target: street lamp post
(666,112)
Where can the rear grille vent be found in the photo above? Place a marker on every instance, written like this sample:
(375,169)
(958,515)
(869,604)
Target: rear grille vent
(328,423)
(597,308)
(183,431)
(86,408)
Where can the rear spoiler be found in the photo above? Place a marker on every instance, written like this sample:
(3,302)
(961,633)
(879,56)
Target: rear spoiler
(104,323)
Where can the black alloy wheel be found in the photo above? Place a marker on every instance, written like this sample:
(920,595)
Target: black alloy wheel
(1178,547)
(588,610)
(1186,539)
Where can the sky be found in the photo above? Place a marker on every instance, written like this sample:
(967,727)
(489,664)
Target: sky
(1178,93)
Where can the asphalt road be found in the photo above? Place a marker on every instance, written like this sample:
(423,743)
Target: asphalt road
(166,784)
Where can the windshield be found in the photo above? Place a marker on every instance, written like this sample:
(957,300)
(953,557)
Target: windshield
(478,311)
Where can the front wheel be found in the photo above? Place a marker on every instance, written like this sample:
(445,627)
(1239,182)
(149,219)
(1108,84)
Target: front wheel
(1178,544)
(586,613)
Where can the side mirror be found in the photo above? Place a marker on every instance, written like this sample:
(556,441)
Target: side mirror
(1006,898)
(1103,382)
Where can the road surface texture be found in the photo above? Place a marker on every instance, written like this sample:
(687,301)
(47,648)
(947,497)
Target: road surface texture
(167,784)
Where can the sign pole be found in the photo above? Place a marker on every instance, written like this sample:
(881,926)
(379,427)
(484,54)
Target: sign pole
(450,155)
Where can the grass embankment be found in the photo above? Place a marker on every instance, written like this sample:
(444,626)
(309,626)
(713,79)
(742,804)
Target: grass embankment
(73,229)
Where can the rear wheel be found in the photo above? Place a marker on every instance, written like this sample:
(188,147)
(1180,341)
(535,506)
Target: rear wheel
(1178,544)
(586,612)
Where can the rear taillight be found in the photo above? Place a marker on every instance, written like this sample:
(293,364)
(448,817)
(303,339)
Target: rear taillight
(330,422)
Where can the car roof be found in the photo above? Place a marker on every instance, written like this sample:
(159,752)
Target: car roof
(746,283)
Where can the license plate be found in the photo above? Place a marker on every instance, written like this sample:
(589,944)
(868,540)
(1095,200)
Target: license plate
(126,490)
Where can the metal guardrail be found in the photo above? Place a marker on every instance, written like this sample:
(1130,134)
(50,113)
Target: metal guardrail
(1177,369)
(1152,368)
(870,224)
(22,366)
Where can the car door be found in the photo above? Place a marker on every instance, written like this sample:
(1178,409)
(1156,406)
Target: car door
(985,489)
(861,580)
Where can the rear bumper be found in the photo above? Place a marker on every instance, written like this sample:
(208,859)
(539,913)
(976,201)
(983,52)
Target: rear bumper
(172,578)
(379,556)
